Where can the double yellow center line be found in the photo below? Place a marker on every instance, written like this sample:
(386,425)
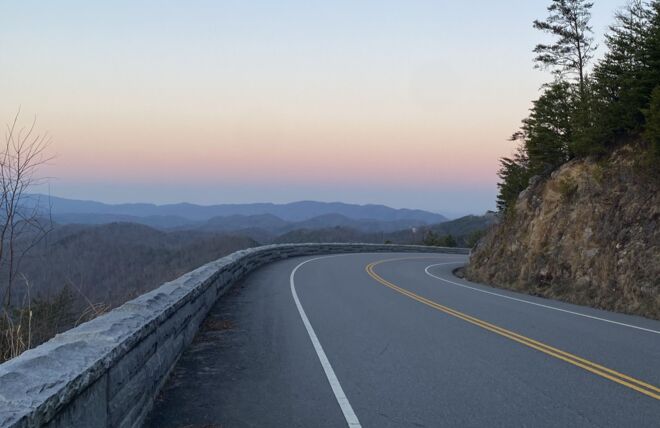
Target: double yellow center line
(614,376)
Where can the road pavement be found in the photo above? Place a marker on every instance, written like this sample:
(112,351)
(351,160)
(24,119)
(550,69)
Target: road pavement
(396,340)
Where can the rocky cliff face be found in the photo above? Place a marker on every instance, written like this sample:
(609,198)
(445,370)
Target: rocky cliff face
(588,234)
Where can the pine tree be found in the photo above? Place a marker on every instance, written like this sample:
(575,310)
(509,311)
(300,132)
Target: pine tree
(514,178)
(548,131)
(650,76)
(573,48)
(449,241)
(652,131)
(620,91)
(579,115)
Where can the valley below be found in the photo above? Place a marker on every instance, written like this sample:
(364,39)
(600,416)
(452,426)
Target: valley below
(96,256)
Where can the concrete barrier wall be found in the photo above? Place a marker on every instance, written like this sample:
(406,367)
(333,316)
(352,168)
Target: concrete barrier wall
(107,372)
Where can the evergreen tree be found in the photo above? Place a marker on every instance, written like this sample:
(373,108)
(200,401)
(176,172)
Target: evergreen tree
(449,241)
(573,48)
(430,239)
(620,92)
(583,115)
(652,131)
(650,75)
(548,131)
(514,178)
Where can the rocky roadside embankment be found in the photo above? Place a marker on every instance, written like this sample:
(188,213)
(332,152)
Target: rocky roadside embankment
(589,234)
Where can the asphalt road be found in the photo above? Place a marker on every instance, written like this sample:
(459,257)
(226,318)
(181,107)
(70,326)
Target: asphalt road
(395,340)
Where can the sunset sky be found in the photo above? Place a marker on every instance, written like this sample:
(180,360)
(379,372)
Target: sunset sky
(405,103)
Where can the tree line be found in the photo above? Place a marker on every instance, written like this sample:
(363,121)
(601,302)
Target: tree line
(589,109)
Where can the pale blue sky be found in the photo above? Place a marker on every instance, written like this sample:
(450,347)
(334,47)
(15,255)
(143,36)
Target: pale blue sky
(407,103)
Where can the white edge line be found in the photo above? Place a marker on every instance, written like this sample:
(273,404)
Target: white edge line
(532,303)
(346,408)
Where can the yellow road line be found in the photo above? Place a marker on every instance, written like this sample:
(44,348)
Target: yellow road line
(620,378)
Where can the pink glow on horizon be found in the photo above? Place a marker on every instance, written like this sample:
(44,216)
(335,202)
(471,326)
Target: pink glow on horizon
(338,100)
(370,159)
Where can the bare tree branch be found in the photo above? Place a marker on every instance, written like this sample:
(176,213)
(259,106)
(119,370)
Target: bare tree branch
(23,224)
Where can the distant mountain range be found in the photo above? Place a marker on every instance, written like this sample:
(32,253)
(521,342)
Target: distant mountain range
(466,230)
(265,227)
(265,217)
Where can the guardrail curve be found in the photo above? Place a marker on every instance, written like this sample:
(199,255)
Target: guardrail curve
(107,372)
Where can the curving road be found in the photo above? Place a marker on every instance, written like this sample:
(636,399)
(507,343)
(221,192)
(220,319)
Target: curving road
(380,340)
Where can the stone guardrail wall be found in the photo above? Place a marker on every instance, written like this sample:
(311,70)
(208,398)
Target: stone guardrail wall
(107,372)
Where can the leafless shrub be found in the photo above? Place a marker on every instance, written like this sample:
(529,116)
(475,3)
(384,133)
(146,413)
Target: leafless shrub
(22,220)
(22,226)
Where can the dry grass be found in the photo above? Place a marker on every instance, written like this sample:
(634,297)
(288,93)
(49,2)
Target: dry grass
(15,334)
(37,320)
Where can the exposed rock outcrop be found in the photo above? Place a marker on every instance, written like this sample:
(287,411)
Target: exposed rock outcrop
(588,234)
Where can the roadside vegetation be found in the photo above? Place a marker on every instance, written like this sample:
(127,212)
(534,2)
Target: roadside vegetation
(432,239)
(54,277)
(22,227)
(79,272)
(590,109)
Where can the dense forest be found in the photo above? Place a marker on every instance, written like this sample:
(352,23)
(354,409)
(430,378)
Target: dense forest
(79,271)
(589,109)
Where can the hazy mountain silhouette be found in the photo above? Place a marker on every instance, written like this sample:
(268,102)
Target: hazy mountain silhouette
(176,215)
